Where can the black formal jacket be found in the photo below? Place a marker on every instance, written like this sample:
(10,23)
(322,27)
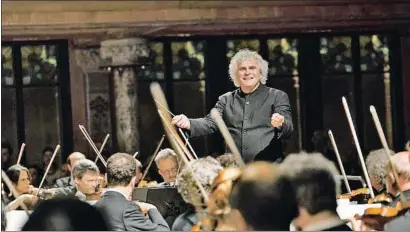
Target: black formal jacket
(121,214)
(248,118)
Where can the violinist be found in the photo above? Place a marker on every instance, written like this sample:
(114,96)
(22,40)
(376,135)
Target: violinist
(313,178)
(72,160)
(118,211)
(401,162)
(167,164)
(376,163)
(85,175)
(20,178)
(206,170)
(262,199)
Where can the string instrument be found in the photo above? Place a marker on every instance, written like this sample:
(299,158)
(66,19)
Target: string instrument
(376,218)
(361,195)
(218,205)
(383,199)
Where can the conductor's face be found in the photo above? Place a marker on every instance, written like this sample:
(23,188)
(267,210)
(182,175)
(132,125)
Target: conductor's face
(248,73)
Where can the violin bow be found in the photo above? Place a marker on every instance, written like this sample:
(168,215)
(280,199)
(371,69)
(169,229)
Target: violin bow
(227,136)
(386,149)
(173,137)
(13,191)
(102,146)
(339,160)
(23,145)
(179,129)
(359,150)
(152,159)
(92,144)
(135,155)
(48,168)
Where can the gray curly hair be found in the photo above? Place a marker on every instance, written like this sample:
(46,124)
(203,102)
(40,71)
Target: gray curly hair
(246,54)
(376,163)
(206,170)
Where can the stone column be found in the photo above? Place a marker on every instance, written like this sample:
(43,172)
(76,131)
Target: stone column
(123,59)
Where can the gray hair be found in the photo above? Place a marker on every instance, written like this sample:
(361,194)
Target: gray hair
(315,181)
(402,166)
(206,170)
(164,154)
(82,167)
(376,163)
(246,54)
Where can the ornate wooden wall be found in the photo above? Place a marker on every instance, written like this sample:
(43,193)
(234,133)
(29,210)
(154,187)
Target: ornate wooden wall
(65,19)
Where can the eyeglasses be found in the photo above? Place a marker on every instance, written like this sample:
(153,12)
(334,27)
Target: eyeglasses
(170,171)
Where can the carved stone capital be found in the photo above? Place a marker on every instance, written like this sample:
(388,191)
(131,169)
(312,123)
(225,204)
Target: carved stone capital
(124,51)
(89,59)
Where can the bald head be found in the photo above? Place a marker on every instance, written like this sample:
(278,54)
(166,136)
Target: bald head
(401,162)
(73,158)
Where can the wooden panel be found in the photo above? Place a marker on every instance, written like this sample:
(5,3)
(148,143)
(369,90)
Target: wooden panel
(78,103)
(283,17)
(86,6)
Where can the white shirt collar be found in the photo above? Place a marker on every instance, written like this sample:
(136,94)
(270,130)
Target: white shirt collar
(115,190)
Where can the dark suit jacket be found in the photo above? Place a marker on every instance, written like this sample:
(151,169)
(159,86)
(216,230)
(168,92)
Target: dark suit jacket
(185,221)
(121,214)
(248,118)
(63,182)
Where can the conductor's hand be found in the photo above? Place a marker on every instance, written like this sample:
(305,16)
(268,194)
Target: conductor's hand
(181,121)
(277,120)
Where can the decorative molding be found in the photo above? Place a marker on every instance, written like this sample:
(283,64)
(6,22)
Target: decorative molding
(269,18)
(88,59)
(124,51)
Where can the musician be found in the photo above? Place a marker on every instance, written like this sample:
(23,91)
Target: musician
(205,170)
(401,223)
(262,199)
(376,163)
(20,178)
(65,215)
(313,178)
(85,175)
(54,172)
(401,162)
(119,212)
(258,117)
(167,164)
(6,153)
(72,160)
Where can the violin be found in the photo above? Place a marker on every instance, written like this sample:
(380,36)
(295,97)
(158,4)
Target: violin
(361,196)
(376,218)
(218,204)
(383,199)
